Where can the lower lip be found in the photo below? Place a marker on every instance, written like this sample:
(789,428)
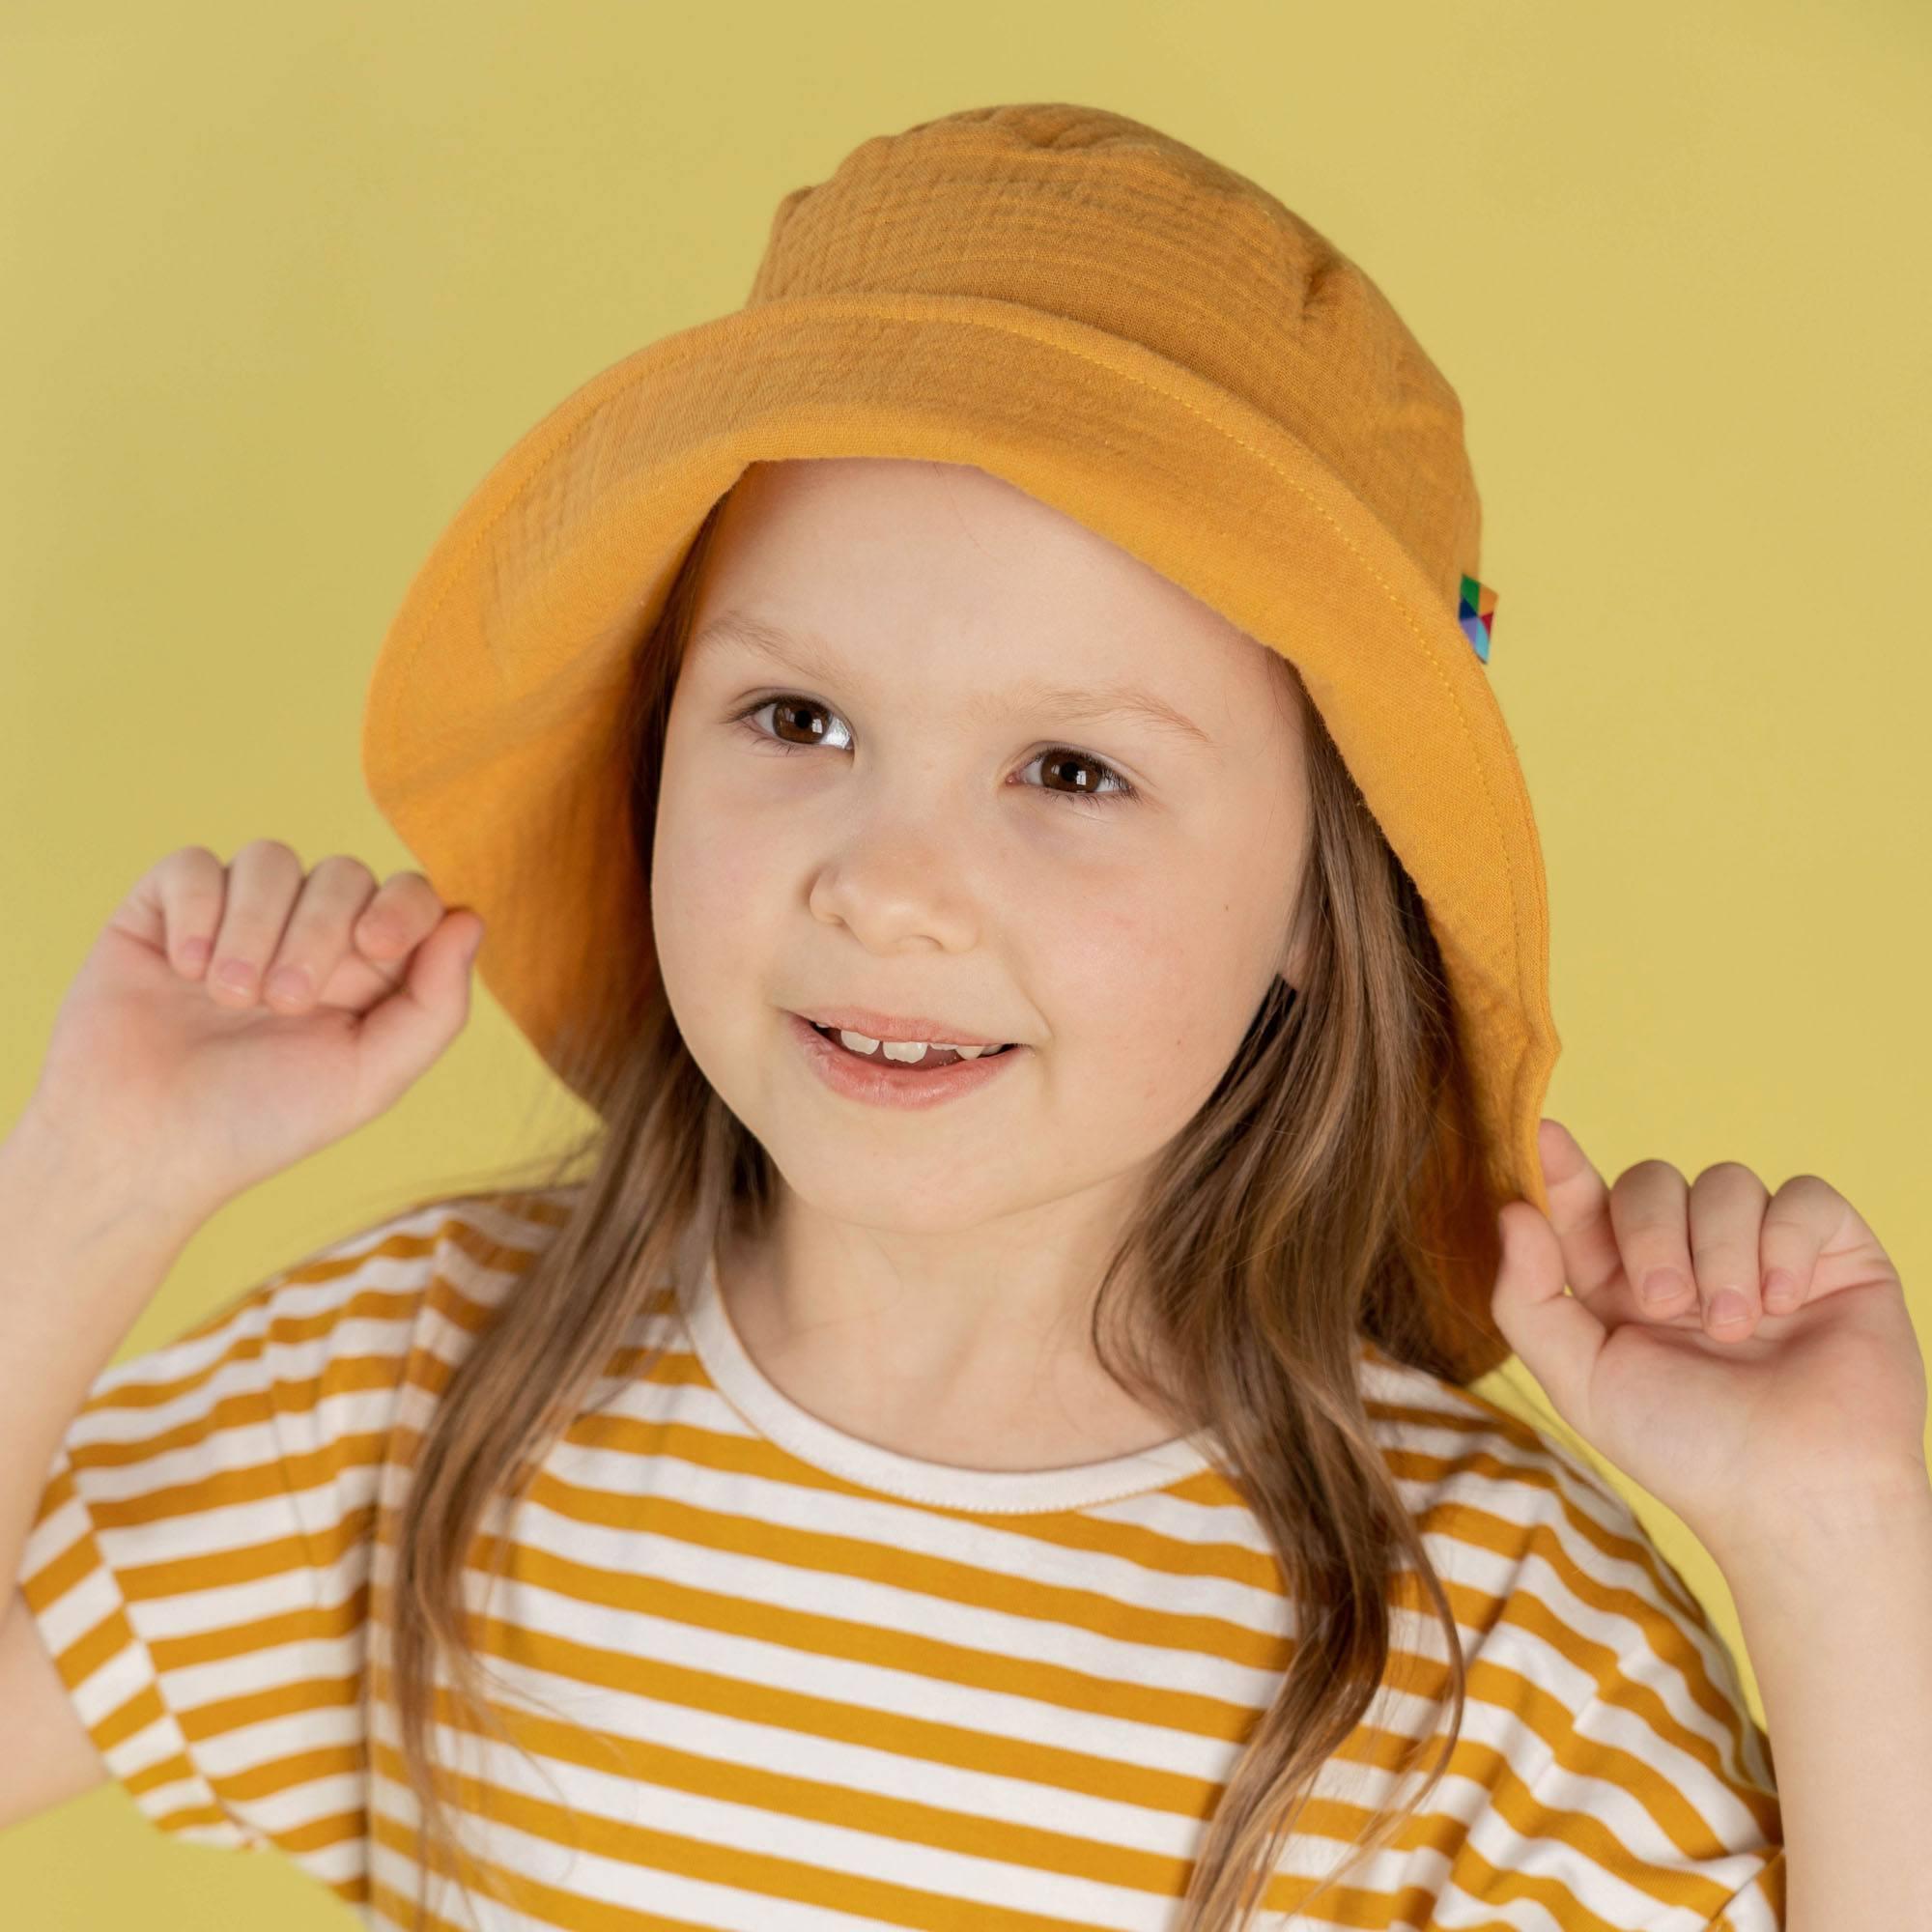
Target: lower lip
(887,1083)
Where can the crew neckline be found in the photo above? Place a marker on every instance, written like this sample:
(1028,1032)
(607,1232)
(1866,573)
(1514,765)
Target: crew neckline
(768,1408)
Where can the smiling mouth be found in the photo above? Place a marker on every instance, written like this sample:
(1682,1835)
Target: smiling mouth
(930,1060)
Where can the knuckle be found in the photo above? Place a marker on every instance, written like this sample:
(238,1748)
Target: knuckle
(1807,1187)
(190,876)
(191,880)
(271,854)
(314,938)
(1642,1174)
(397,911)
(347,867)
(411,886)
(1722,1171)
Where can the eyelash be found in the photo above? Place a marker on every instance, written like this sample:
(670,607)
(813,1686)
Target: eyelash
(1125,792)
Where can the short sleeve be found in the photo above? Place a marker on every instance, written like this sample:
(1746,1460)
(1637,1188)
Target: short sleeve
(199,1563)
(1629,1788)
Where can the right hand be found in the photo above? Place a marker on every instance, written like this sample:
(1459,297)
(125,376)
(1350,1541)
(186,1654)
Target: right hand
(163,1079)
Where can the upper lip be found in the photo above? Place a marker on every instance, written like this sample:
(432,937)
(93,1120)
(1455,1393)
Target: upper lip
(885,1026)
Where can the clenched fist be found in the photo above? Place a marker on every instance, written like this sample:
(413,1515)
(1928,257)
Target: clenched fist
(232,1019)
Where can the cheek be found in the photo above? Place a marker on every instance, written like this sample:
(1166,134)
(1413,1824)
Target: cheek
(709,889)
(1153,987)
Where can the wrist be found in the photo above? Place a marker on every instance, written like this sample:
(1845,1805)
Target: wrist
(1826,1538)
(125,1199)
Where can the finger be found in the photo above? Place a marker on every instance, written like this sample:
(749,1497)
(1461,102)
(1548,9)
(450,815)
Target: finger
(1555,1334)
(401,916)
(1650,1212)
(1798,1221)
(1726,1222)
(405,1033)
(1579,1210)
(187,890)
(263,880)
(317,935)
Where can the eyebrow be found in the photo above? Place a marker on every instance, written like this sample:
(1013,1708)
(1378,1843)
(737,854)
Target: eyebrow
(813,658)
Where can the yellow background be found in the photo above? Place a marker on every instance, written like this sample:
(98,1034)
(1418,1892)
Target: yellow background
(281,284)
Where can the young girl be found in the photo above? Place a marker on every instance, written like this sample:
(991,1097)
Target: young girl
(979,768)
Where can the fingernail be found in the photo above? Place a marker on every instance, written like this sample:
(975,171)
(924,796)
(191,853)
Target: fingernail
(1660,1284)
(1729,1306)
(1781,1290)
(288,982)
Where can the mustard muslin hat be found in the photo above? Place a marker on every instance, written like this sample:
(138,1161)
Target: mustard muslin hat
(1111,321)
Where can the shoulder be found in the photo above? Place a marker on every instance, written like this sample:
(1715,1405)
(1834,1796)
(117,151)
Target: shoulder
(1543,1555)
(1549,1570)
(1602,1698)
(1466,1461)
(432,1268)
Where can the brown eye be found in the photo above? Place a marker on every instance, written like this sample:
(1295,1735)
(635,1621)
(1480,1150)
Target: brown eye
(1064,758)
(790,707)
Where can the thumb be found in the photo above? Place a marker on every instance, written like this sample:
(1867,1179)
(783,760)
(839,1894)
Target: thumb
(1557,1338)
(407,1032)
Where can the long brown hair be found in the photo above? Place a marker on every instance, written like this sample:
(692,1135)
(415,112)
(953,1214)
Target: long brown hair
(1314,1199)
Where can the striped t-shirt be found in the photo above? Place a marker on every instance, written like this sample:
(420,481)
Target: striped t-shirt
(785,1680)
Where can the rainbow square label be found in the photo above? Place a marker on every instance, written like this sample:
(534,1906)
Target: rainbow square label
(1476,614)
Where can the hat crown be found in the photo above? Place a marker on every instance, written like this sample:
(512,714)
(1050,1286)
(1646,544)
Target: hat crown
(1090,216)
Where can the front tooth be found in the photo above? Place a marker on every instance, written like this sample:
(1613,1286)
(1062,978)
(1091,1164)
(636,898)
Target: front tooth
(910,1051)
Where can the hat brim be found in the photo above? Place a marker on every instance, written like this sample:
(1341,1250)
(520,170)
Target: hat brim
(489,711)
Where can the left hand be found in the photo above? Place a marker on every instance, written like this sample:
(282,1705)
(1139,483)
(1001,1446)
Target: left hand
(1742,1428)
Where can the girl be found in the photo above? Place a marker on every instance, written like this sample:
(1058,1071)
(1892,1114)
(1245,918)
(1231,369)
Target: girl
(979,769)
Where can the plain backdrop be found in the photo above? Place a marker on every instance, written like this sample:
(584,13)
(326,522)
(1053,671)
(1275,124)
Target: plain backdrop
(279,285)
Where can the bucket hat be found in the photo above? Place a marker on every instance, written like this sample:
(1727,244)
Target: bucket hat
(1116,325)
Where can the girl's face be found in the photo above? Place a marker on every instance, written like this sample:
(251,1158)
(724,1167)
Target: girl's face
(929,835)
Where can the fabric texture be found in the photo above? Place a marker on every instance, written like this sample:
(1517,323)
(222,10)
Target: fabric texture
(1133,334)
(778,1679)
